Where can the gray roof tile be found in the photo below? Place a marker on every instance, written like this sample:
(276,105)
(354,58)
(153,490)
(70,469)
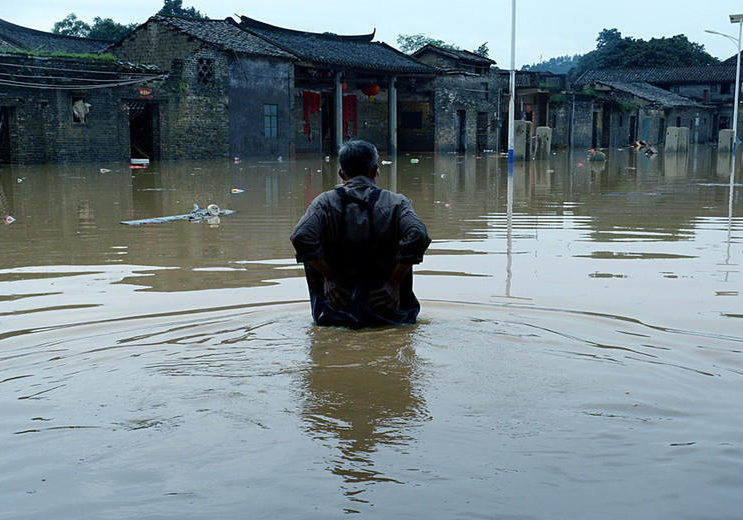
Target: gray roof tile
(15,37)
(334,50)
(225,34)
(670,75)
(651,93)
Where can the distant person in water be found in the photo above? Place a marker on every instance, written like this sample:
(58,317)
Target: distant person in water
(358,244)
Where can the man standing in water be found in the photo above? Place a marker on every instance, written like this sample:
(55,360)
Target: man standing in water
(358,244)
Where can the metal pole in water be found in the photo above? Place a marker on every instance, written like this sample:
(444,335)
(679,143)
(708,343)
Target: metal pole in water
(512,90)
(735,18)
(511,116)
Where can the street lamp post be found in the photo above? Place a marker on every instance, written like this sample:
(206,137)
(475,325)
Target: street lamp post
(734,18)
(511,116)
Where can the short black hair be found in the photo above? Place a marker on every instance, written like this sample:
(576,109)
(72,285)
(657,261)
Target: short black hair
(357,157)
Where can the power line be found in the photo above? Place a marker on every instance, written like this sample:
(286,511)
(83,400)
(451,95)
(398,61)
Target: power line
(71,70)
(45,86)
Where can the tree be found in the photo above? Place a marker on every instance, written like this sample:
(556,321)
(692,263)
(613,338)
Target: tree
(71,26)
(175,8)
(482,50)
(107,29)
(558,65)
(409,43)
(616,52)
(102,28)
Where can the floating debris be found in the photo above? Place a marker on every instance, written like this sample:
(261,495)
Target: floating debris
(414,161)
(7,219)
(197,214)
(236,190)
(105,170)
(386,162)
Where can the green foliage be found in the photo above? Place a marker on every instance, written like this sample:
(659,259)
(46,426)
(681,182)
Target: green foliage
(102,28)
(482,50)
(175,8)
(558,65)
(410,43)
(49,54)
(71,26)
(107,29)
(557,100)
(616,52)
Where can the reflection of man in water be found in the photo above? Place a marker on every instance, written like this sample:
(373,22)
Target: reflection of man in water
(358,244)
(363,397)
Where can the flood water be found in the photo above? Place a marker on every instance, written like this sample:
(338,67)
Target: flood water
(581,357)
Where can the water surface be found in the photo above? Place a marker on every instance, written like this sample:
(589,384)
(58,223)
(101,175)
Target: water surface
(578,358)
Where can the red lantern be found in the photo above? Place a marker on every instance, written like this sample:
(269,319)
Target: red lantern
(344,86)
(371,90)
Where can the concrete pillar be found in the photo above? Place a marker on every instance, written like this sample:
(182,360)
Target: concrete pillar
(338,112)
(683,139)
(544,142)
(725,142)
(392,104)
(521,140)
(677,139)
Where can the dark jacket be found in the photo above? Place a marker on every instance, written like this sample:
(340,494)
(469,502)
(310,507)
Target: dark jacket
(361,231)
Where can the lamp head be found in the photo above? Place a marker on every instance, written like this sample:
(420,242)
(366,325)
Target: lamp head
(736,18)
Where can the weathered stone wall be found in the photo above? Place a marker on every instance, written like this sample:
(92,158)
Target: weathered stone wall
(471,94)
(41,127)
(572,119)
(374,119)
(699,121)
(197,123)
(413,138)
(254,83)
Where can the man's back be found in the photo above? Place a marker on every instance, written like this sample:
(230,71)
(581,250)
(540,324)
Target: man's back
(362,232)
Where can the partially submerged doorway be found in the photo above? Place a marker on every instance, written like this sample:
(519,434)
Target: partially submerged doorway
(461,131)
(143,130)
(5,135)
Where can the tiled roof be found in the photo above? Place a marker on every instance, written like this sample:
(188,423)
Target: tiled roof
(670,75)
(225,34)
(653,94)
(534,79)
(15,37)
(461,55)
(334,50)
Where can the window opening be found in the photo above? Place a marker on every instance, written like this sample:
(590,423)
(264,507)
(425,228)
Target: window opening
(270,120)
(206,71)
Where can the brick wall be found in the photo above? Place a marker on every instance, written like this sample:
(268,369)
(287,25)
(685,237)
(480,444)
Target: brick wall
(454,93)
(41,127)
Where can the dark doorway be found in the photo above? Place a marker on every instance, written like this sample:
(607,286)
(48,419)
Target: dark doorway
(605,128)
(662,131)
(4,135)
(143,123)
(482,131)
(328,128)
(632,129)
(461,131)
(595,130)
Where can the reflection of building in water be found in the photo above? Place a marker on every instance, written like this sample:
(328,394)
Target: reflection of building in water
(676,165)
(361,394)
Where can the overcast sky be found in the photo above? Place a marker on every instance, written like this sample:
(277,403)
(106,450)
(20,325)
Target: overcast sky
(544,28)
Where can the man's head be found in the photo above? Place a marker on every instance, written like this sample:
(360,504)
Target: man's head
(358,158)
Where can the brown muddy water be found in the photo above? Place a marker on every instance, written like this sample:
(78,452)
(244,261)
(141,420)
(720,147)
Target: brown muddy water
(580,359)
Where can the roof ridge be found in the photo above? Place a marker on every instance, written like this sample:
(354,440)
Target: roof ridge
(257,24)
(53,35)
